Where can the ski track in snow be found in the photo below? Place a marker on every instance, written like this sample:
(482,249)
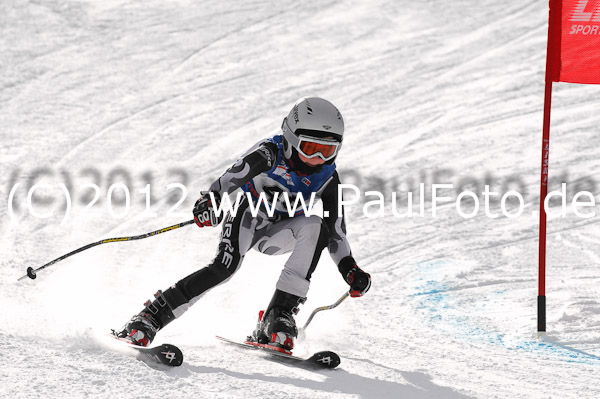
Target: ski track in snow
(448,88)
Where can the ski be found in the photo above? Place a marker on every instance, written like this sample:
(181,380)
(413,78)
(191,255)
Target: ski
(320,360)
(166,354)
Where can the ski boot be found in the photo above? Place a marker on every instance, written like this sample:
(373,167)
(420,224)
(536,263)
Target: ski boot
(142,327)
(276,326)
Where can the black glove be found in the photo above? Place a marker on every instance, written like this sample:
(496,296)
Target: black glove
(204,210)
(359,281)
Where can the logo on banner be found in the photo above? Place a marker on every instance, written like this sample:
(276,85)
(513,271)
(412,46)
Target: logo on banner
(586,12)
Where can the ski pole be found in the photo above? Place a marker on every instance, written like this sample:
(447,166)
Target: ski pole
(32,273)
(346,294)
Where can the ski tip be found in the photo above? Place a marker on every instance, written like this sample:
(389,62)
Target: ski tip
(325,359)
(172,355)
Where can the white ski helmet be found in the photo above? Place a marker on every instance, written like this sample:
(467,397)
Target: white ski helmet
(314,128)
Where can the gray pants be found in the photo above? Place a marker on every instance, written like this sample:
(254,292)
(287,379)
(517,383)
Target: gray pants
(304,237)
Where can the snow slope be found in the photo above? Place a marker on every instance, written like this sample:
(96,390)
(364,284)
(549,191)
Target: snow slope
(171,92)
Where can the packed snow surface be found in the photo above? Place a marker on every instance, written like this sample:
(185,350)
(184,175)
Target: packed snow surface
(127,93)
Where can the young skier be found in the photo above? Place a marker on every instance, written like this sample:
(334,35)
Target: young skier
(298,162)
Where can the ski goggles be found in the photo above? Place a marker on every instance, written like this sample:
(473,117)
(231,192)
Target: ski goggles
(310,146)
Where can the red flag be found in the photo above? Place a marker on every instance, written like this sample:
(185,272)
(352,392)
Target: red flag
(574,41)
(573,56)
